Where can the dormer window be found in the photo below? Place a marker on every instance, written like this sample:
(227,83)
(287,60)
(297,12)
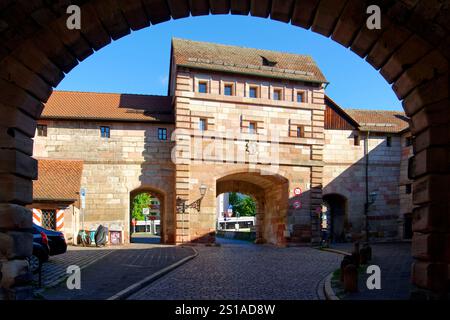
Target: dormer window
(267,62)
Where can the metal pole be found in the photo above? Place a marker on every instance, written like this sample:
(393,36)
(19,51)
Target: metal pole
(366,205)
(182,221)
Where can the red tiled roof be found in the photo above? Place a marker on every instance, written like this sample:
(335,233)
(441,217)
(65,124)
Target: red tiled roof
(379,120)
(58,180)
(218,57)
(108,106)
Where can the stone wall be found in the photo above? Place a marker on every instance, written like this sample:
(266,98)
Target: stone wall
(132,158)
(344,174)
(227,147)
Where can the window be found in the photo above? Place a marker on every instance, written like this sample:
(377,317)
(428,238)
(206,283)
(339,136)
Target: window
(42,130)
(389,141)
(408,188)
(104,132)
(277,94)
(300,97)
(408,142)
(162,134)
(202,125)
(300,132)
(228,90)
(252,128)
(203,87)
(253,92)
(356,140)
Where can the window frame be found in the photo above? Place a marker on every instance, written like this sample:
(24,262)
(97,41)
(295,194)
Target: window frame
(279,91)
(105,133)
(389,141)
(257,91)
(44,129)
(300,131)
(231,86)
(162,134)
(205,122)
(302,94)
(408,188)
(253,124)
(356,140)
(201,83)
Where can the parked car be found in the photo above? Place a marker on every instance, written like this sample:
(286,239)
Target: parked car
(56,240)
(41,250)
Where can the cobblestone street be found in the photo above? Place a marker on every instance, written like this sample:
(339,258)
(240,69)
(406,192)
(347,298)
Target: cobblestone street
(114,269)
(238,270)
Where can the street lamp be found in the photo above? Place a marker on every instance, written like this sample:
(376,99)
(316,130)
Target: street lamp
(182,206)
(203,189)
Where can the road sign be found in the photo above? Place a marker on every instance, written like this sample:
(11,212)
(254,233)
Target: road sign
(83,198)
(297,191)
(297,204)
(152,218)
(145,211)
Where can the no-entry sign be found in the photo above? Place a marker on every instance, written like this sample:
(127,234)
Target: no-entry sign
(297,191)
(297,204)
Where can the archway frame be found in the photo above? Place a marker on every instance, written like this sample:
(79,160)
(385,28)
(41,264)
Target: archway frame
(162,198)
(411,52)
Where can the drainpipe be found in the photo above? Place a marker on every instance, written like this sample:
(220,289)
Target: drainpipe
(366,204)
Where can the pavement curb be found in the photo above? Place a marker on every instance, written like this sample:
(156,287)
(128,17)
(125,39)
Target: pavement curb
(146,281)
(328,290)
(336,251)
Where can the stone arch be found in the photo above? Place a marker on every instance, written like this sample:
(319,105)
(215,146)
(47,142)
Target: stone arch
(410,51)
(272,196)
(164,210)
(336,205)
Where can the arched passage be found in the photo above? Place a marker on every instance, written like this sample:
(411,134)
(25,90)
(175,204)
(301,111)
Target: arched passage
(336,205)
(155,222)
(411,52)
(271,195)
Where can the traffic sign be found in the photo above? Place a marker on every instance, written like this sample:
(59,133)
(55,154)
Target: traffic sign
(83,198)
(297,204)
(152,218)
(297,191)
(145,211)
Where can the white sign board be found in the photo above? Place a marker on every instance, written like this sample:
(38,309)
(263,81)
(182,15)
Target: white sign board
(83,198)
(145,211)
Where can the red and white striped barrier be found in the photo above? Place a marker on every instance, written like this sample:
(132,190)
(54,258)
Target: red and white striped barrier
(37,217)
(59,219)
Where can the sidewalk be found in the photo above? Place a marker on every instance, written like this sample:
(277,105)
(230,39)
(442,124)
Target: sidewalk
(394,260)
(110,270)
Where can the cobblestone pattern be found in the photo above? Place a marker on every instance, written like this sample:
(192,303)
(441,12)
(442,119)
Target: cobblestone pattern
(245,271)
(54,271)
(394,260)
(119,270)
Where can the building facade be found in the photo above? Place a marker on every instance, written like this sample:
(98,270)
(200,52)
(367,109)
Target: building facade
(235,120)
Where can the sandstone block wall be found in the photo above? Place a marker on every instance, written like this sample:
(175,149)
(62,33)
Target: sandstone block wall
(344,174)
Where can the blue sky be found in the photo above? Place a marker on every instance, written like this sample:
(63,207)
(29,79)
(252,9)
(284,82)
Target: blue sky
(139,62)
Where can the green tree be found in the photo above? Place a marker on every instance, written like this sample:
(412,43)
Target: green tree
(245,205)
(141,201)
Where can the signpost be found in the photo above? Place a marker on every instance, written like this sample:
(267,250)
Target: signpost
(83,204)
(145,212)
